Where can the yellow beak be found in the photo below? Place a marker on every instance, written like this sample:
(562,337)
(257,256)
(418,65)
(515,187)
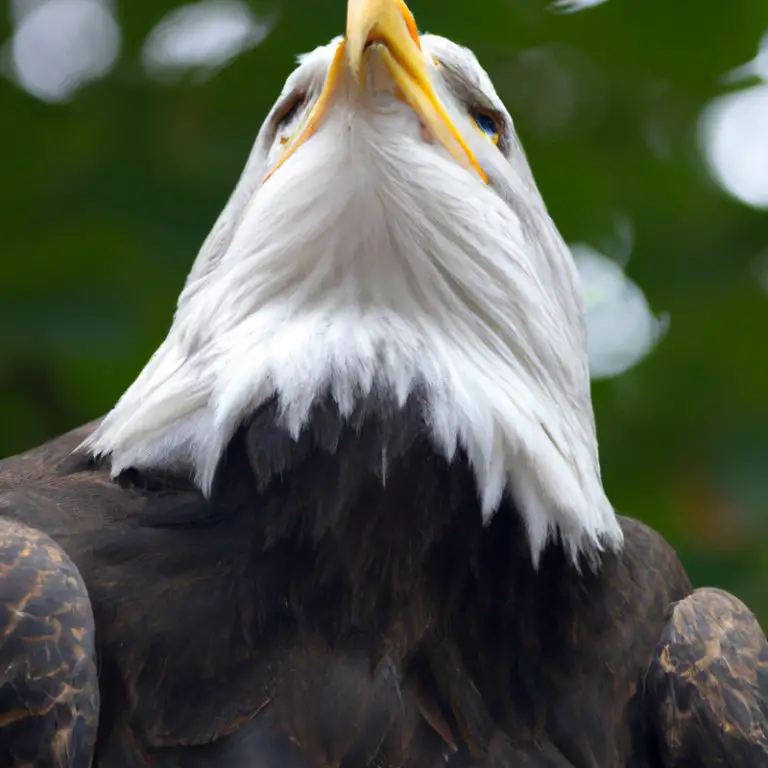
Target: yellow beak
(389,25)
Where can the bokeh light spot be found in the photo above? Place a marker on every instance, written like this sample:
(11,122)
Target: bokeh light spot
(60,45)
(733,130)
(205,35)
(571,6)
(621,329)
(734,135)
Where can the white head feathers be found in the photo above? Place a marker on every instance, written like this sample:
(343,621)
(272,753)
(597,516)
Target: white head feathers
(372,258)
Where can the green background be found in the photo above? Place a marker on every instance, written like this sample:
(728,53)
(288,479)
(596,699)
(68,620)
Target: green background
(107,195)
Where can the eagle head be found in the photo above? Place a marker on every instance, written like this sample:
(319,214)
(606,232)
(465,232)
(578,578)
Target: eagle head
(386,235)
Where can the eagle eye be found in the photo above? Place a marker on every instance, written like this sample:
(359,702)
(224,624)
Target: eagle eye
(487,123)
(290,109)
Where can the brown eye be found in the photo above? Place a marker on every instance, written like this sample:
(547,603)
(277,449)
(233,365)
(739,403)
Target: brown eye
(291,108)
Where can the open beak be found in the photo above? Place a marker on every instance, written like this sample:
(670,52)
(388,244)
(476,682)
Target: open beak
(390,27)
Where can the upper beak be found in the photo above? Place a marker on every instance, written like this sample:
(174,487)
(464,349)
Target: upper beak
(390,25)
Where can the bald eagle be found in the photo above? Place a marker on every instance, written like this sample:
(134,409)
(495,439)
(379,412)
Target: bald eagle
(350,514)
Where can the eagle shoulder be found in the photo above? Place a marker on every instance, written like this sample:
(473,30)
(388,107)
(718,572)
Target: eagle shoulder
(707,684)
(49,688)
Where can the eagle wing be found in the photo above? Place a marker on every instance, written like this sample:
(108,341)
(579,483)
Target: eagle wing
(49,692)
(707,685)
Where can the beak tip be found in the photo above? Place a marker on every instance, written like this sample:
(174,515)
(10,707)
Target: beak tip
(391,23)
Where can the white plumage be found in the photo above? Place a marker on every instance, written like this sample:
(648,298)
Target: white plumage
(371,258)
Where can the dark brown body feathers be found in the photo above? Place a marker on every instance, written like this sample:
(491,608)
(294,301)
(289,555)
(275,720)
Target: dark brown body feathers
(338,602)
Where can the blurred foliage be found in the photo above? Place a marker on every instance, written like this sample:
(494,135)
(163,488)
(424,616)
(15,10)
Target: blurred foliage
(107,196)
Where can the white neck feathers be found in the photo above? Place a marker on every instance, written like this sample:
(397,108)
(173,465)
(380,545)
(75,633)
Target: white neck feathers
(339,276)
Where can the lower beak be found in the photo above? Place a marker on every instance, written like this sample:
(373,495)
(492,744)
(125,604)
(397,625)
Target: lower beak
(390,26)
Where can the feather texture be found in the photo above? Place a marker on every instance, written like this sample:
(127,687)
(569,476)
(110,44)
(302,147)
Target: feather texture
(373,262)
